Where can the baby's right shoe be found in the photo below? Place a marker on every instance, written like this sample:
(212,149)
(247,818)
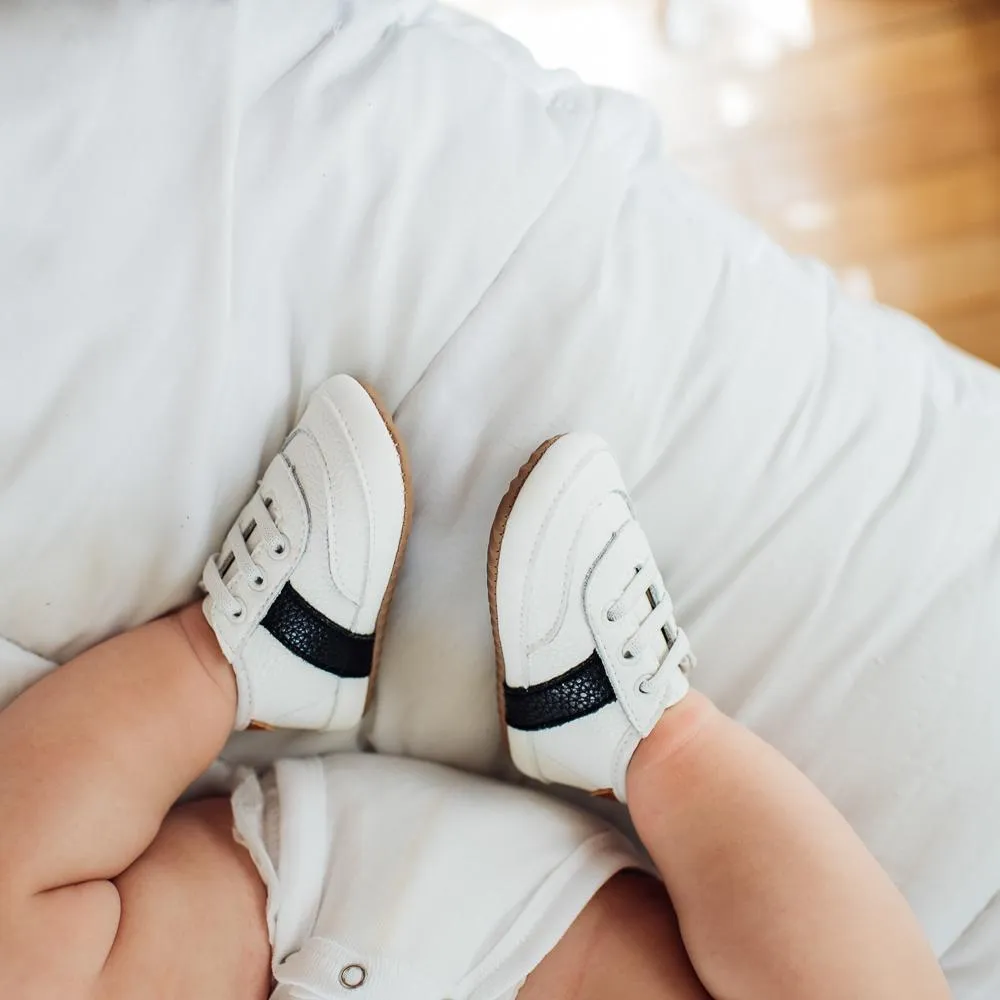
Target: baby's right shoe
(589,654)
(299,594)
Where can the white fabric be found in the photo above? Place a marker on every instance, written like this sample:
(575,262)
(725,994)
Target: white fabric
(435,883)
(206,209)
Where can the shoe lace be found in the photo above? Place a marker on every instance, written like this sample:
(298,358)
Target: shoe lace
(235,550)
(646,586)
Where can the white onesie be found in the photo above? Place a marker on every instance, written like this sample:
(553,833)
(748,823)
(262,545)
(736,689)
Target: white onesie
(392,879)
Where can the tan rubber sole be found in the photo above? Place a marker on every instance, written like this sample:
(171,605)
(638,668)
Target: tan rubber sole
(404,464)
(493,568)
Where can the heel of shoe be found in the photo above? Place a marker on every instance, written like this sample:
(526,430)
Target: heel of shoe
(300,696)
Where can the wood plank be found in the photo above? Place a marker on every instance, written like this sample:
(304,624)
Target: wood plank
(941,278)
(809,89)
(835,22)
(846,21)
(884,217)
(824,161)
(975,330)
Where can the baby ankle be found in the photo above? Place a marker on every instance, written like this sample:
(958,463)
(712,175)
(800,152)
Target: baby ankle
(678,728)
(203,644)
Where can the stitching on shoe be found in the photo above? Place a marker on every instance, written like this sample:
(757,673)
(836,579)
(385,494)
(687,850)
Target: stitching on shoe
(336,575)
(567,575)
(366,490)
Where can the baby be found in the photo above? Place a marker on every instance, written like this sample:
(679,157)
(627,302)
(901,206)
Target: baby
(373,877)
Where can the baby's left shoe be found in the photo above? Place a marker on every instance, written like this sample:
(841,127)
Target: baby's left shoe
(299,594)
(589,653)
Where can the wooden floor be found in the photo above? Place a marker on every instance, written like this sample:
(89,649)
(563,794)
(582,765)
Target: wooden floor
(865,132)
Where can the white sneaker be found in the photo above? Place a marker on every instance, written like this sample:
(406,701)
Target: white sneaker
(589,655)
(299,594)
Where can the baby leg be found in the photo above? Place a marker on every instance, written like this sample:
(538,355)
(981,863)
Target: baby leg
(91,759)
(775,893)
(626,943)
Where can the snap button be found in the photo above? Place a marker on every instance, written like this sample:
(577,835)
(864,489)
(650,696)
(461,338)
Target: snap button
(353,976)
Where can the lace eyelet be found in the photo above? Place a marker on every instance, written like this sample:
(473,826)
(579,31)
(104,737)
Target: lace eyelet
(642,684)
(279,550)
(236,613)
(608,615)
(353,976)
(258,582)
(627,653)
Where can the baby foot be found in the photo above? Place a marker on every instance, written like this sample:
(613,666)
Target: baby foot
(299,594)
(589,654)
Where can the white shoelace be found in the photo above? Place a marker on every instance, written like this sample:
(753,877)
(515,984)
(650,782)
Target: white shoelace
(236,549)
(645,587)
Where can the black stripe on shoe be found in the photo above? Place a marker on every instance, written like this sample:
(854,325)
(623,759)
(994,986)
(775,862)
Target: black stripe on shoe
(313,637)
(581,691)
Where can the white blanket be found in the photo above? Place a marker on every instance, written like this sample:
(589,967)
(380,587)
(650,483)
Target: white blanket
(205,209)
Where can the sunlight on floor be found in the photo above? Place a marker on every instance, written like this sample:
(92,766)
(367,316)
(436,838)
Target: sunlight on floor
(618,42)
(602,40)
(760,29)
